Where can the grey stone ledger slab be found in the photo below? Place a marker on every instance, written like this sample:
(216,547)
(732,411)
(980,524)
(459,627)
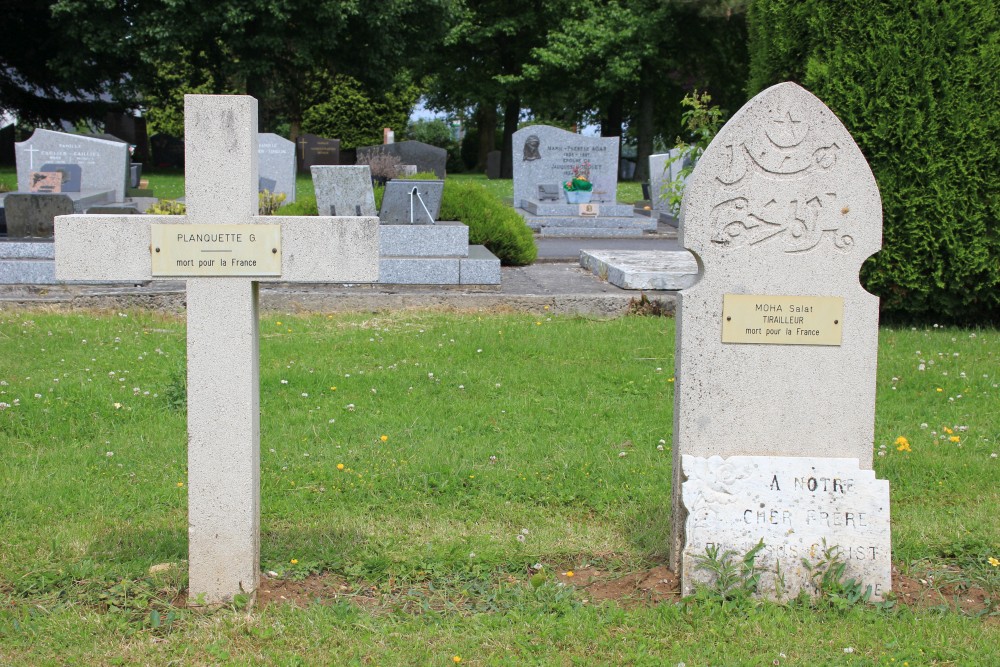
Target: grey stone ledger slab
(33,216)
(615,209)
(419,270)
(343,190)
(591,232)
(427,158)
(641,222)
(642,269)
(481,267)
(493,165)
(411,202)
(780,211)
(444,239)
(312,150)
(277,162)
(27,261)
(799,508)
(104,164)
(544,154)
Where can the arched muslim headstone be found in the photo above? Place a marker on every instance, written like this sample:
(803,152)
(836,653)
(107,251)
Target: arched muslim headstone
(776,350)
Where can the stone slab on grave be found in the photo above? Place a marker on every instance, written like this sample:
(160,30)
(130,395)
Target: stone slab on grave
(800,508)
(642,269)
(343,189)
(224,250)
(419,270)
(592,232)
(407,202)
(442,239)
(27,261)
(277,163)
(480,267)
(103,163)
(781,211)
(561,208)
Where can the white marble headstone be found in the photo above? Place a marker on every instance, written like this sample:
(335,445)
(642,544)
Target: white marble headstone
(800,508)
(781,211)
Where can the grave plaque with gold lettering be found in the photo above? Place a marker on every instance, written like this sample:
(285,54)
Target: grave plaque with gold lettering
(782,320)
(215,250)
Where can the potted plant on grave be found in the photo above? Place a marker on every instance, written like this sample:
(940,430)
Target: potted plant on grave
(579,189)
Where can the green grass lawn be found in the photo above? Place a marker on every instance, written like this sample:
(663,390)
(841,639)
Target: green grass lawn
(510,441)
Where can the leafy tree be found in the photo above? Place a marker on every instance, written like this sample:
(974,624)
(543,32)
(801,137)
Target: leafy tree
(353,114)
(917,83)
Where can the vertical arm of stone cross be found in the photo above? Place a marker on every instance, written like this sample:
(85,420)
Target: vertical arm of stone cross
(220,186)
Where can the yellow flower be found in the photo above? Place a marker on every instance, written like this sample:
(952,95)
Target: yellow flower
(333,389)
(278,323)
(294,561)
(940,389)
(947,430)
(569,573)
(954,438)
(993,561)
(904,447)
(456,659)
(901,440)
(340,466)
(384,438)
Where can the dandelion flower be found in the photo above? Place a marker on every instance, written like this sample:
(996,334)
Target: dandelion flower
(569,573)
(294,561)
(993,561)
(954,438)
(180,484)
(456,659)
(340,466)
(384,438)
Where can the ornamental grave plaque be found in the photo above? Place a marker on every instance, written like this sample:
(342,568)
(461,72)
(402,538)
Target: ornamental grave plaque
(781,211)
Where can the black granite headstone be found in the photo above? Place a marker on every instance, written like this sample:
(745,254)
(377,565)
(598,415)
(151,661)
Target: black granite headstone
(314,150)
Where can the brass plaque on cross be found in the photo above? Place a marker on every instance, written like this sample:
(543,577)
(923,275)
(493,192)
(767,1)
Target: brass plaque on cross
(215,250)
(782,320)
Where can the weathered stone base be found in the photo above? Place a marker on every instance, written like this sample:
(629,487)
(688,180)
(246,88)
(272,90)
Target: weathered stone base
(643,269)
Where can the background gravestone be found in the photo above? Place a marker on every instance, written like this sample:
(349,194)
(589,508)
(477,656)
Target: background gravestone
(777,342)
(130,129)
(343,190)
(401,207)
(104,163)
(167,151)
(493,165)
(427,158)
(547,155)
(311,150)
(32,216)
(277,163)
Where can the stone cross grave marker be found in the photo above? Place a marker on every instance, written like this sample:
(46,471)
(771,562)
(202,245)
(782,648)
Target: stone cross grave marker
(224,249)
(776,350)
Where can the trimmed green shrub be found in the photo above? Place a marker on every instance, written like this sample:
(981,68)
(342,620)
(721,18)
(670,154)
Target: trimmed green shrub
(916,84)
(491,224)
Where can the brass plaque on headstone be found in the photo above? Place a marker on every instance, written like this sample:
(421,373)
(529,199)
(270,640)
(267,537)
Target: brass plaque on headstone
(215,250)
(589,210)
(782,320)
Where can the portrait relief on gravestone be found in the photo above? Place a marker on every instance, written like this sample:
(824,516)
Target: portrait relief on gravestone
(531,145)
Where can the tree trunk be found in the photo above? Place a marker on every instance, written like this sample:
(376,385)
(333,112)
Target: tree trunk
(486,122)
(644,125)
(614,116)
(511,114)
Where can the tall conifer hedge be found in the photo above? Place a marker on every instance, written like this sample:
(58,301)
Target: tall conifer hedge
(917,83)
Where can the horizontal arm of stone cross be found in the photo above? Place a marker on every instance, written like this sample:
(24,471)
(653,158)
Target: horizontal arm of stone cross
(313,249)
